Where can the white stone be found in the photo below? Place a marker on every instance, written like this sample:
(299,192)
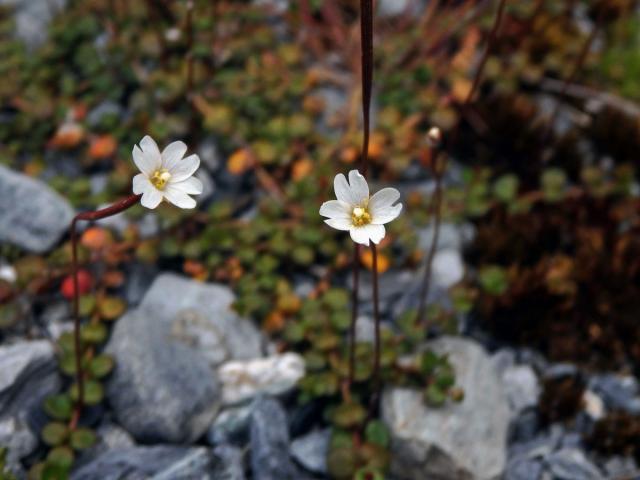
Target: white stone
(465,440)
(448,268)
(243,380)
(521,386)
(593,405)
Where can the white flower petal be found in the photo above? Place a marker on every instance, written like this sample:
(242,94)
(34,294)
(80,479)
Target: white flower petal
(376,232)
(184,168)
(191,185)
(151,198)
(363,234)
(141,183)
(384,198)
(335,209)
(145,163)
(178,197)
(339,223)
(150,147)
(172,154)
(381,206)
(343,191)
(385,214)
(359,187)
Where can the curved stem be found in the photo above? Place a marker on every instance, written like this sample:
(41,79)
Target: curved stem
(114,209)
(426,281)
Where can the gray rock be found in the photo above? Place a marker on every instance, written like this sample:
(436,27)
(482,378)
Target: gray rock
(275,6)
(390,8)
(620,467)
(270,442)
(33,18)
(539,447)
(229,464)
(311,450)
(447,268)
(200,316)
(33,217)
(618,392)
(571,464)
(245,379)
(157,463)
(523,469)
(161,390)
(521,386)
(462,441)
(230,426)
(18,438)
(103,110)
(29,373)
(451,236)
(210,154)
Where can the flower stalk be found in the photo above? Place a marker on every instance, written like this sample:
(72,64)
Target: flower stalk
(114,209)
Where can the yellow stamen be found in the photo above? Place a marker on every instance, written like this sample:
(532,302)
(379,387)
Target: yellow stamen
(360,216)
(160,178)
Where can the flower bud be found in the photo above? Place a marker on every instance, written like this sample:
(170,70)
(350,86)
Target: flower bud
(434,137)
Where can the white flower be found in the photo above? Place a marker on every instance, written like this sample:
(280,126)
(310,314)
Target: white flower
(363,216)
(165,175)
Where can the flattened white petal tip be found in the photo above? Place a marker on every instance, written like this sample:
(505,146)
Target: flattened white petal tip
(342,189)
(359,235)
(382,208)
(172,154)
(359,187)
(179,198)
(191,186)
(343,224)
(141,183)
(335,209)
(184,168)
(151,198)
(367,233)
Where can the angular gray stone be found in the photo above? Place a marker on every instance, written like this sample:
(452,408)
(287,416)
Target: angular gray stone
(200,316)
(32,215)
(270,442)
(464,440)
(571,464)
(29,373)
(158,463)
(231,425)
(161,390)
(311,450)
(521,386)
(18,438)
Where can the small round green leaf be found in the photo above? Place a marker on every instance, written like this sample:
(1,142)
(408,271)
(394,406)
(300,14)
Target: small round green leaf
(59,406)
(101,365)
(54,434)
(83,438)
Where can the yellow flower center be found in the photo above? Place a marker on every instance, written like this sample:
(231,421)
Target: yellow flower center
(360,216)
(160,178)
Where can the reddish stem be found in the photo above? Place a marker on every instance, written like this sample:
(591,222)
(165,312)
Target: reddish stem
(366,37)
(114,209)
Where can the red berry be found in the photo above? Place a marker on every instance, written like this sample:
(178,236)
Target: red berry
(84,284)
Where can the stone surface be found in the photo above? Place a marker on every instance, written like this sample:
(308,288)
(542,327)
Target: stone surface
(29,373)
(310,450)
(521,386)
(593,405)
(465,440)
(32,215)
(231,425)
(451,236)
(161,390)
(33,18)
(275,375)
(18,438)
(524,469)
(199,315)
(447,268)
(270,442)
(571,464)
(159,463)
(618,392)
